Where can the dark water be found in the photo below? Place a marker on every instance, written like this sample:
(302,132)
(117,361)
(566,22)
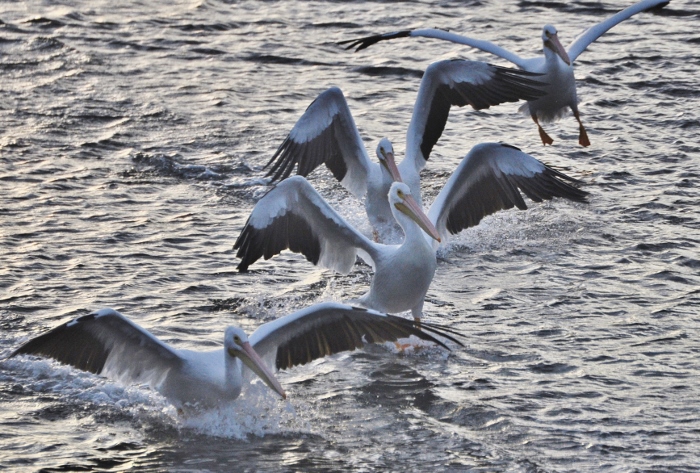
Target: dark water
(132,136)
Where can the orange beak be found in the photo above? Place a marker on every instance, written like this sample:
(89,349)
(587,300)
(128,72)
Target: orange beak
(411,208)
(253,361)
(554,44)
(390,164)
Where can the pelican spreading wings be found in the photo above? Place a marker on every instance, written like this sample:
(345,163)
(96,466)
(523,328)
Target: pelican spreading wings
(555,67)
(490,178)
(107,343)
(294,216)
(326,133)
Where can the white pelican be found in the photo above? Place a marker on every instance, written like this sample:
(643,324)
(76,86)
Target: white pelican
(294,216)
(326,132)
(107,343)
(556,65)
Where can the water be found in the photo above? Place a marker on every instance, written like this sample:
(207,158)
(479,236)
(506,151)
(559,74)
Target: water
(132,137)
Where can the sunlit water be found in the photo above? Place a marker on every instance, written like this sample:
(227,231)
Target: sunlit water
(132,140)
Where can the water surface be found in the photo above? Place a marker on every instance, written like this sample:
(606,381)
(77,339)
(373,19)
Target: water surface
(132,140)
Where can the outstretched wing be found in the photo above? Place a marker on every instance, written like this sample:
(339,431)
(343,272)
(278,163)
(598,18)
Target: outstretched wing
(294,216)
(486,46)
(325,134)
(460,82)
(107,343)
(583,40)
(490,178)
(328,328)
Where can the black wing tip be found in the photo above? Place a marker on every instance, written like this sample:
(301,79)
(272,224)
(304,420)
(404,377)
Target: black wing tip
(33,345)
(255,243)
(556,173)
(367,41)
(658,7)
(428,331)
(438,329)
(421,328)
(69,343)
(556,185)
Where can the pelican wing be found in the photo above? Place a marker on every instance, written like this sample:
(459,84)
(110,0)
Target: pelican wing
(325,134)
(486,46)
(107,343)
(461,82)
(583,40)
(328,328)
(490,178)
(294,216)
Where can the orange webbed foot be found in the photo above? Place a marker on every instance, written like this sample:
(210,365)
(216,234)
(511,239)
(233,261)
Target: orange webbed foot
(546,139)
(583,137)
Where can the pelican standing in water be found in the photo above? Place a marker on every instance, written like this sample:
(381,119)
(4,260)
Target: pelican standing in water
(107,343)
(556,65)
(490,178)
(326,133)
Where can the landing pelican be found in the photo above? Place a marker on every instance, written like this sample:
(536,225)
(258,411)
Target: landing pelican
(326,132)
(294,216)
(556,66)
(107,343)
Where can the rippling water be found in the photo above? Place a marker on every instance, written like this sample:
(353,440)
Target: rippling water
(132,136)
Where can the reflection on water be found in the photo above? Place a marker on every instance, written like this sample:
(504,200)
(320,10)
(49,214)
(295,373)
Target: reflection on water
(132,139)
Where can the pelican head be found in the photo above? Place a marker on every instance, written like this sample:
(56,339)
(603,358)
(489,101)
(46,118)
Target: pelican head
(385,154)
(237,345)
(400,198)
(551,41)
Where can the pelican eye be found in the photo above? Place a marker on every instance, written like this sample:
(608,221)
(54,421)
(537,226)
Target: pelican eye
(237,339)
(401,194)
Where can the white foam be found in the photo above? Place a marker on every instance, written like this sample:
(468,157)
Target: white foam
(258,411)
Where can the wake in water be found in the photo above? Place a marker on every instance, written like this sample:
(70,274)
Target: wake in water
(256,412)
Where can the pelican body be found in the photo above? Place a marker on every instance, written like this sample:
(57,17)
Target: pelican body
(107,343)
(398,267)
(555,65)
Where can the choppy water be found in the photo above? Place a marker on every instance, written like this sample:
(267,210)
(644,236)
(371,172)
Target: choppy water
(132,136)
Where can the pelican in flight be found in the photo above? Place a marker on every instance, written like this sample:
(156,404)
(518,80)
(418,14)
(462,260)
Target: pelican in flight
(556,66)
(107,343)
(326,133)
(490,178)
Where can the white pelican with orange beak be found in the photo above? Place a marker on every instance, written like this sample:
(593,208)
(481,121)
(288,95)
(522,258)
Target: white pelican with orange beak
(294,216)
(107,343)
(556,65)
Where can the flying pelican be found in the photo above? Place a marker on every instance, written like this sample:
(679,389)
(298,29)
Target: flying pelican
(107,343)
(326,132)
(294,216)
(556,66)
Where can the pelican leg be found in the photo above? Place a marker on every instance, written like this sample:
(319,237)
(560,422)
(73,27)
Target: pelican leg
(546,139)
(582,135)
